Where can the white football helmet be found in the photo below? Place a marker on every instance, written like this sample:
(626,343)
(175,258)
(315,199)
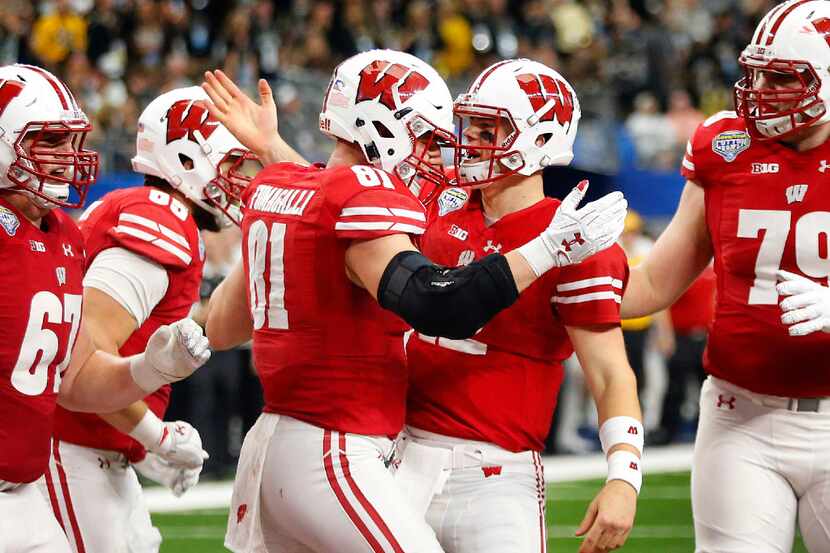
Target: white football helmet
(786,84)
(42,134)
(383,101)
(540,109)
(179,141)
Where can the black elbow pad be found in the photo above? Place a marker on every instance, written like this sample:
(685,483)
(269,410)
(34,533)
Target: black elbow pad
(449,302)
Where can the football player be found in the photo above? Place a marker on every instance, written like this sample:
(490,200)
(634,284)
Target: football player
(479,410)
(48,355)
(755,201)
(145,257)
(320,245)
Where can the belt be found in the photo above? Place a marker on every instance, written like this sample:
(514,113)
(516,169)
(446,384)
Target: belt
(8,486)
(796,404)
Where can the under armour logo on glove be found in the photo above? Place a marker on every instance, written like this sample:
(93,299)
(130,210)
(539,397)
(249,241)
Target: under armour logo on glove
(577,241)
(728,402)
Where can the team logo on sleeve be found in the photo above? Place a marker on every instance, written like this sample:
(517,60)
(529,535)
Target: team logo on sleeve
(451,199)
(9,221)
(729,144)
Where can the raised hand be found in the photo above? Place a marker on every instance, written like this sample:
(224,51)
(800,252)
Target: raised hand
(254,124)
(576,234)
(807,308)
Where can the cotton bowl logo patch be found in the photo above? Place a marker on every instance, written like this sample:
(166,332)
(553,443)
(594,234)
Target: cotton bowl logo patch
(451,199)
(9,221)
(729,144)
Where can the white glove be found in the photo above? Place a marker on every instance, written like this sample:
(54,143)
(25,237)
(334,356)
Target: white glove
(808,307)
(173,352)
(178,479)
(176,442)
(576,234)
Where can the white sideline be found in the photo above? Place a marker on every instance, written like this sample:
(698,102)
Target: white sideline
(565,468)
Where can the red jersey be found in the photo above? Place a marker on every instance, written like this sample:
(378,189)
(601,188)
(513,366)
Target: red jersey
(501,386)
(693,311)
(326,352)
(153,224)
(766,209)
(41,292)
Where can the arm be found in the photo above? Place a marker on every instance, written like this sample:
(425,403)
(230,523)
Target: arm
(110,325)
(423,293)
(610,516)
(229,321)
(679,256)
(254,125)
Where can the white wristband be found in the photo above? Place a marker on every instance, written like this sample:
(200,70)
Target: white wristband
(624,465)
(149,431)
(621,430)
(537,255)
(145,375)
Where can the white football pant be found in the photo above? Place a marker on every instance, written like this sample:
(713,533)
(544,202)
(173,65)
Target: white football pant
(27,524)
(478,497)
(96,497)
(300,488)
(760,468)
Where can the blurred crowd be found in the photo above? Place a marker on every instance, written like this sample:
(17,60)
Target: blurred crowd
(647,72)
(649,69)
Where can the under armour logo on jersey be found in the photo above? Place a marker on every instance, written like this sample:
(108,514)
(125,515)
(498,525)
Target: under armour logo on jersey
(577,241)
(490,247)
(633,430)
(823,166)
(633,466)
(728,402)
(67,250)
(491,471)
(796,193)
(60,272)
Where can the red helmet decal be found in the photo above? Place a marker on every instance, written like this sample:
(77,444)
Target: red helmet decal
(540,89)
(822,25)
(379,78)
(8,91)
(185,117)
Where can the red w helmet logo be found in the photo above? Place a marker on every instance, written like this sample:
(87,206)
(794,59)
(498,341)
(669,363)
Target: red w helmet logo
(540,89)
(185,117)
(381,78)
(822,25)
(8,92)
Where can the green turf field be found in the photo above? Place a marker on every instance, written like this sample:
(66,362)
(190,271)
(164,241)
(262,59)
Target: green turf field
(663,525)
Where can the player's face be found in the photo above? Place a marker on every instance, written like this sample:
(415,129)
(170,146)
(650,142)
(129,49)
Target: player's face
(44,144)
(779,81)
(428,147)
(484,132)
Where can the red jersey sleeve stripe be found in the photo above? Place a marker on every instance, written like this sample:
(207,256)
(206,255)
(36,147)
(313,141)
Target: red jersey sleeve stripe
(155,240)
(589,283)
